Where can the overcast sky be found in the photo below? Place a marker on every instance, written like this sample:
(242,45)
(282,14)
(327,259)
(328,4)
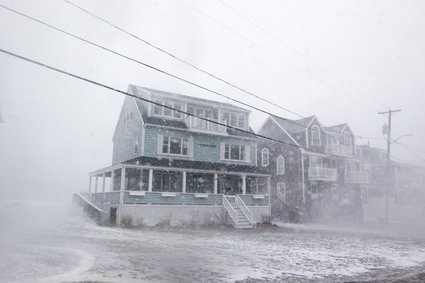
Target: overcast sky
(342,61)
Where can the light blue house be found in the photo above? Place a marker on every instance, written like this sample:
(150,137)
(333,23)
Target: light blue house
(176,168)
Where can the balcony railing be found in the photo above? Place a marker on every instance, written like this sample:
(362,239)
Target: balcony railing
(197,124)
(339,149)
(357,177)
(321,173)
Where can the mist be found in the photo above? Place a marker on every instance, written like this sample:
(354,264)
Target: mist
(341,61)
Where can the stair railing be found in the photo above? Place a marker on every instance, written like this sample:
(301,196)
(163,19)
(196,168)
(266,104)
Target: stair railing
(229,208)
(245,210)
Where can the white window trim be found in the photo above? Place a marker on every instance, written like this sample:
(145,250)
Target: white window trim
(280,157)
(160,146)
(247,152)
(312,136)
(162,102)
(263,151)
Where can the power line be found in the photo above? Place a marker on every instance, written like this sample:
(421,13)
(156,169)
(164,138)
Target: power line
(145,64)
(140,98)
(142,63)
(293,49)
(275,55)
(178,58)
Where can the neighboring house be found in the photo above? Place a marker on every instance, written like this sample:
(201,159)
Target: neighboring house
(169,166)
(330,179)
(405,182)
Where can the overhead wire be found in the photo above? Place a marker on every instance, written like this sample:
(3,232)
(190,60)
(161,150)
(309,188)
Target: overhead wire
(140,98)
(179,58)
(296,51)
(277,56)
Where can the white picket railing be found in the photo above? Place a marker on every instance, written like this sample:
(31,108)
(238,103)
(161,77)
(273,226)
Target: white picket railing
(229,208)
(245,210)
(322,173)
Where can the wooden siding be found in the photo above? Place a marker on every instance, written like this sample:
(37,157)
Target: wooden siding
(126,134)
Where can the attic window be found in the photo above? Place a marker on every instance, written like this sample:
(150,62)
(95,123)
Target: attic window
(315,135)
(265,157)
(166,108)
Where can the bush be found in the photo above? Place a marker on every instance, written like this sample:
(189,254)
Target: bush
(126,221)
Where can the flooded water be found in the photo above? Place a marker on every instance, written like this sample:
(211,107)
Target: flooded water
(53,242)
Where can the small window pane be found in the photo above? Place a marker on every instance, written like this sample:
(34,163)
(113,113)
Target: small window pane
(234,152)
(157,109)
(177,106)
(241,121)
(175,146)
(165,145)
(167,111)
(226,152)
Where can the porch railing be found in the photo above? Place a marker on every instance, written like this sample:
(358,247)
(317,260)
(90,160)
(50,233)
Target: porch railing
(229,208)
(245,210)
(322,173)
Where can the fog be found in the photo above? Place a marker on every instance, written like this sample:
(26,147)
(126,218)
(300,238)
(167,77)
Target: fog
(343,61)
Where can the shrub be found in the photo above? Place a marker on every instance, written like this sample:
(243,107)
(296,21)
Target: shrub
(126,221)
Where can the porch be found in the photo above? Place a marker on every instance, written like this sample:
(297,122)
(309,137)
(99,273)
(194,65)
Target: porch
(145,187)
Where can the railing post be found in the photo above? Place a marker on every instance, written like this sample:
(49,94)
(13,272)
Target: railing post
(150,182)
(122,185)
(244,184)
(112,181)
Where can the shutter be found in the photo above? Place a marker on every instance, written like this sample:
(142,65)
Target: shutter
(248,154)
(222,151)
(159,144)
(190,147)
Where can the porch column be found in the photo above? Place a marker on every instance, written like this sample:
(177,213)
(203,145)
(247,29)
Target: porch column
(89,184)
(112,181)
(103,182)
(184,182)
(96,183)
(244,184)
(122,185)
(215,183)
(150,183)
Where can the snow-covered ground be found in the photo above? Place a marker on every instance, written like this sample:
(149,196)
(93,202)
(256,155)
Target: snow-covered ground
(53,242)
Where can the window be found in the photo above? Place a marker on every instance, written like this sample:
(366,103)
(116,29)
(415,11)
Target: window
(136,145)
(172,145)
(347,139)
(280,165)
(167,181)
(233,119)
(160,110)
(234,152)
(265,157)
(315,135)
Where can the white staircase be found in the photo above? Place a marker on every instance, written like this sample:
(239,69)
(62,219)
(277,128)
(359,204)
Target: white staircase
(239,213)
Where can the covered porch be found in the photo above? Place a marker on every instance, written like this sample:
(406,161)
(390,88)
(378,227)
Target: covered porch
(172,185)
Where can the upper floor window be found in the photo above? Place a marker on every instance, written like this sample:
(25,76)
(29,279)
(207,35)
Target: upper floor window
(315,135)
(234,152)
(167,108)
(173,145)
(280,165)
(347,139)
(233,119)
(265,157)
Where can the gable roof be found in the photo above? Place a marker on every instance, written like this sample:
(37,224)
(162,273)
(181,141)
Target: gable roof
(336,129)
(176,123)
(293,126)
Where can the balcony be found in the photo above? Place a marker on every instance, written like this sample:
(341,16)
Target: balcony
(198,125)
(357,177)
(339,149)
(321,174)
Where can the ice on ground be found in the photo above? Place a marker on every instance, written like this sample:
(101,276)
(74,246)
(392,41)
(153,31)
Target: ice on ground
(63,245)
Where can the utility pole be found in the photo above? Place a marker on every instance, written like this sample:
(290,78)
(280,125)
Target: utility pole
(389,112)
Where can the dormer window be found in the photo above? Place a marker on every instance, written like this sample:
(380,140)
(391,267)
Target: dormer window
(166,108)
(347,139)
(265,157)
(315,135)
(233,119)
